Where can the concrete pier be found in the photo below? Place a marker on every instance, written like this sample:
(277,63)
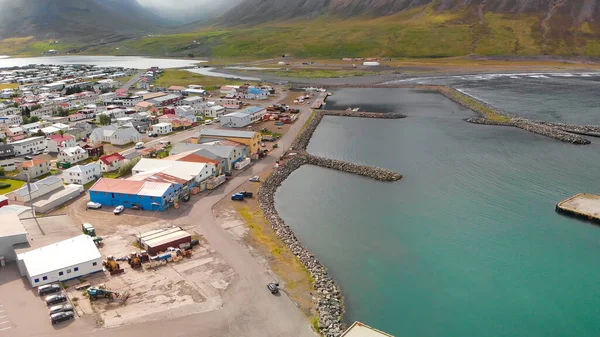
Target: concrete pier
(582,205)
(318,103)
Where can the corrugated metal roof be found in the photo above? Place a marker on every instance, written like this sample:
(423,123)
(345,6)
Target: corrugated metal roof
(60,255)
(165,239)
(117,186)
(153,189)
(224,133)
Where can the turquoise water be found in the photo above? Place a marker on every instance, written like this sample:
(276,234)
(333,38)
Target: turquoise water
(468,243)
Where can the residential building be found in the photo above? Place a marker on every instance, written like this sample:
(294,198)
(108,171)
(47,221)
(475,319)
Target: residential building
(193,101)
(57,142)
(72,155)
(144,106)
(214,111)
(193,157)
(229,103)
(131,100)
(60,261)
(82,174)
(175,89)
(94,150)
(108,97)
(179,173)
(244,117)
(11,119)
(38,189)
(111,162)
(45,111)
(250,138)
(227,154)
(77,117)
(162,128)
(256,93)
(156,196)
(10,111)
(165,100)
(12,233)
(228,90)
(29,146)
(7,155)
(115,135)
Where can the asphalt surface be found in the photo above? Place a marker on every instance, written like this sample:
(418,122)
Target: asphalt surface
(249,309)
(133,80)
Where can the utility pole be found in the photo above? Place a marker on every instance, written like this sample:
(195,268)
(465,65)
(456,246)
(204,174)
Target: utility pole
(29,190)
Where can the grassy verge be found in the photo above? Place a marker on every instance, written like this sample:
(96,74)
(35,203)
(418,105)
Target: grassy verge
(14,185)
(112,175)
(184,78)
(298,282)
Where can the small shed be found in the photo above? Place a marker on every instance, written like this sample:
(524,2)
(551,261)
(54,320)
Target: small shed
(158,241)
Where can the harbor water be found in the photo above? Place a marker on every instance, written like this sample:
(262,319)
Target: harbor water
(468,242)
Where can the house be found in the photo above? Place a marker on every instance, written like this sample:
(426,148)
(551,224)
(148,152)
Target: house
(228,90)
(94,150)
(77,117)
(131,100)
(108,97)
(57,142)
(38,189)
(29,146)
(7,155)
(78,133)
(244,117)
(256,93)
(229,103)
(193,157)
(144,106)
(162,128)
(115,135)
(46,111)
(156,196)
(165,100)
(60,261)
(111,162)
(186,110)
(112,114)
(214,111)
(175,89)
(82,174)
(250,138)
(194,101)
(72,155)
(11,119)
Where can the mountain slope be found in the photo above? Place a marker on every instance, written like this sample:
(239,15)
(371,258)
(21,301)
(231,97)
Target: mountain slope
(75,19)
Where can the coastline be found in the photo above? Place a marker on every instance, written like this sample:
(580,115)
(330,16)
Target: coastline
(328,296)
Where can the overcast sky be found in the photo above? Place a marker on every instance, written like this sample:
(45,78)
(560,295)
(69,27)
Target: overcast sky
(189,10)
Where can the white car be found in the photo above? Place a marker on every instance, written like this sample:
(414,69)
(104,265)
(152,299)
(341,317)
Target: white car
(119,209)
(208,122)
(93,205)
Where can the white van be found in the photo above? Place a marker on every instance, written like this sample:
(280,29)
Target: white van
(139,145)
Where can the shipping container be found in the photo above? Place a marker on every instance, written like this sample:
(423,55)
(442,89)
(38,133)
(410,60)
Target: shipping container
(241,164)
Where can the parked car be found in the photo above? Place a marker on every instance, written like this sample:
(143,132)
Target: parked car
(246,194)
(165,142)
(119,209)
(93,205)
(255,179)
(216,120)
(60,308)
(237,196)
(273,288)
(208,122)
(55,299)
(62,316)
(49,289)
(139,145)
(28,157)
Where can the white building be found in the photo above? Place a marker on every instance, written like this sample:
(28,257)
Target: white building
(11,119)
(115,135)
(82,174)
(72,155)
(38,189)
(108,97)
(162,128)
(194,101)
(131,100)
(29,145)
(57,142)
(43,111)
(243,118)
(214,111)
(60,261)
(12,233)
(188,171)
(36,167)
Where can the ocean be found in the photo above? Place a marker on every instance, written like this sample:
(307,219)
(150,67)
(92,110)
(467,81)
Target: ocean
(468,242)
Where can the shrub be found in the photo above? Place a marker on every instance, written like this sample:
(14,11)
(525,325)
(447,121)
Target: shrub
(4,185)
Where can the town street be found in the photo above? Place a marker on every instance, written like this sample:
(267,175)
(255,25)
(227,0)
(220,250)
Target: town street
(249,309)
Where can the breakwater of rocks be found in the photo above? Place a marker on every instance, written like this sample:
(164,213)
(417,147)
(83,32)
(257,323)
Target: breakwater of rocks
(535,127)
(327,294)
(376,173)
(301,142)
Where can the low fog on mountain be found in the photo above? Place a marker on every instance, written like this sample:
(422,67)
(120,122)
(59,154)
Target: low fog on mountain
(186,11)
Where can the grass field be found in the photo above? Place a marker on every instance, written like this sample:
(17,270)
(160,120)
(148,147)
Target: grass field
(14,185)
(183,77)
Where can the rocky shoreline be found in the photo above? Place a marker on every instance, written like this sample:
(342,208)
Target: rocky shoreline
(327,296)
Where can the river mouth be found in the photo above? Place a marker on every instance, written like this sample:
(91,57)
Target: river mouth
(468,241)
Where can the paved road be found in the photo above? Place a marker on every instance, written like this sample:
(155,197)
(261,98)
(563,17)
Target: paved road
(133,80)
(249,310)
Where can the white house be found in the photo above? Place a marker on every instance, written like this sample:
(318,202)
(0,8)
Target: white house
(194,101)
(131,100)
(112,114)
(10,111)
(162,128)
(214,111)
(108,97)
(11,119)
(115,135)
(226,90)
(111,162)
(82,174)
(38,189)
(187,110)
(63,260)
(43,111)
(244,117)
(57,142)
(29,145)
(36,167)
(72,155)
